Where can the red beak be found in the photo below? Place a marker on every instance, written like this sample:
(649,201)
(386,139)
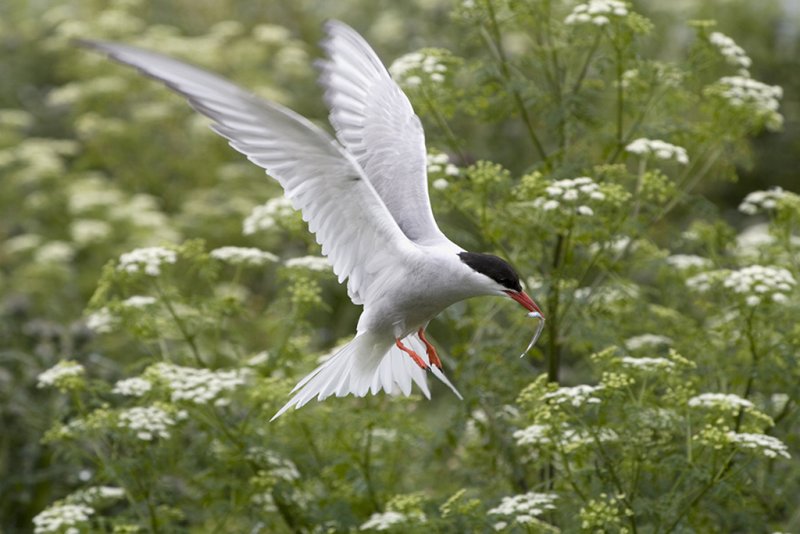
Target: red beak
(525,301)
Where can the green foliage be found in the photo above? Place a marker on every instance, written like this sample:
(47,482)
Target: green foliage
(160,298)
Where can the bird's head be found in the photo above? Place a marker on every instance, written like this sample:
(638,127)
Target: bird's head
(499,278)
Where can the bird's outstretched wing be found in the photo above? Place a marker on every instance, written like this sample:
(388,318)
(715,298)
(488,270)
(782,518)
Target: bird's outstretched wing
(375,122)
(351,222)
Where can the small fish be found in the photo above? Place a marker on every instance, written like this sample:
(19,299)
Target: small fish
(539,328)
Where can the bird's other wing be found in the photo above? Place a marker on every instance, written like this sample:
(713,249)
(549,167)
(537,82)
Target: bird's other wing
(351,222)
(375,122)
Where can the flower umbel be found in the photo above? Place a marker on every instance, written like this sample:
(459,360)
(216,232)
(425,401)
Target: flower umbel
(524,508)
(148,260)
(148,422)
(573,194)
(658,148)
(62,375)
(597,12)
(243,255)
(62,518)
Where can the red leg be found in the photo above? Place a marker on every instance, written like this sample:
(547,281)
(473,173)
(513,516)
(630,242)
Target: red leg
(414,356)
(431,350)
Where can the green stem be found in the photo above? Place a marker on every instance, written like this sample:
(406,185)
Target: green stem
(190,338)
(585,67)
(494,41)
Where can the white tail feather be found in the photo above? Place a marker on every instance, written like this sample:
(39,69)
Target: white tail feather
(368,364)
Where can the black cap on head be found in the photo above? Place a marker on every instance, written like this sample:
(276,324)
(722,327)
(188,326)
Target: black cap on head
(495,268)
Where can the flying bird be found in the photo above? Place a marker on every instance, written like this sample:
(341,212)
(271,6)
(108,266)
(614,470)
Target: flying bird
(364,194)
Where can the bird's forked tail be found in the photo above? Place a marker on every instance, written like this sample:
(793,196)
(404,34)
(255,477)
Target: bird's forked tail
(368,364)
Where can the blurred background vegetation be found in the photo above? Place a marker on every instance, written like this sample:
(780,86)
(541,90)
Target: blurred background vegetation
(96,161)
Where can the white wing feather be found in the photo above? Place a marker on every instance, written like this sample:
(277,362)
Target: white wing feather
(375,122)
(351,222)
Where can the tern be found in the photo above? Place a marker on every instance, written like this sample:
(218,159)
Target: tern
(364,194)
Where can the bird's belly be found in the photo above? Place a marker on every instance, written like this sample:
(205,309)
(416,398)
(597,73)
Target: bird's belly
(406,311)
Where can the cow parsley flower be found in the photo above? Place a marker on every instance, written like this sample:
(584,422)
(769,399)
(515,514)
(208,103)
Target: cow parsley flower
(243,255)
(532,435)
(148,422)
(576,395)
(769,446)
(573,194)
(755,284)
(62,518)
(725,401)
(198,386)
(278,467)
(646,341)
(523,509)
(87,231)
(758,283)
(684,262)
(383,521)
(438,164)
(426,65)
(95,494)
(745,92)
(597,12)
(61,375)
(139,301)
(647,363)
(266,216)
(733,53)
(313,263)
(148,260)
(760,201)
(658,148)
(132,387)
(101,321)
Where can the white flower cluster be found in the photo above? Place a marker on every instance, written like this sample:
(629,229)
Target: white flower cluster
(383,521)
(524,508)
(684,262)
(243,255)
(62,518)
(87,231)
(733,53)
(279,467)
(762,98)
(756,283)
(660,149)
(132,387)
(148,259)
(147,421)
(101,321)
(646,341)
(647,363)
(576,395)
(575,191)
(313,263)
(759,282)
(198,386)
(596,12)
(532,435)
(94,494)
(411,69)
(759,201)
(702,282)
(567,437)
(769,446)
(438,164)
(56,375)
(266,216)
(139,301)
(726,401)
